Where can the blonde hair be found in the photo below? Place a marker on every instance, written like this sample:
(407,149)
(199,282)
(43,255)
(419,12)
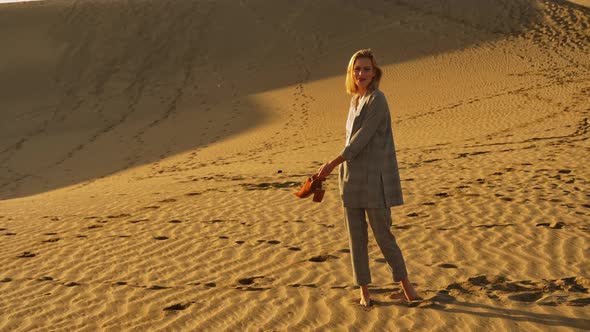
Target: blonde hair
(351,87)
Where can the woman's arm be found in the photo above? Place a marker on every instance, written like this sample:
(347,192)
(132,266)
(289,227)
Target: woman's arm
(328,167)
(377,112)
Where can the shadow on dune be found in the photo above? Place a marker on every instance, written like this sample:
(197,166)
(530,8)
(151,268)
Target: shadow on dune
(90,88)
(515,315)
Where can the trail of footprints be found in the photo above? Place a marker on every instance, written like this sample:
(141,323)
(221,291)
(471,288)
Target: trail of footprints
(255,283)
(571,291)
(542,181)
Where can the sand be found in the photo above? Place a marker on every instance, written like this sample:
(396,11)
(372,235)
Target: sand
(149,152)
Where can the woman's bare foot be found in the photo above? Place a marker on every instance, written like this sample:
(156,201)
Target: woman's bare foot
(409,290)
(365,298)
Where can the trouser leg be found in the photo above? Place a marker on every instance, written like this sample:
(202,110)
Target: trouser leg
(380,220)
(356,225)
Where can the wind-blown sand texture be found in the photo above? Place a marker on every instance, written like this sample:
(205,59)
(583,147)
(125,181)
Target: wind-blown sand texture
(149,151)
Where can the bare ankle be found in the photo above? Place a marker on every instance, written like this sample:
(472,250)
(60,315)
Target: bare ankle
(409,290)
(365,296)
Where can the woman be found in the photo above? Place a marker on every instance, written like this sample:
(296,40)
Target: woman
(369,177)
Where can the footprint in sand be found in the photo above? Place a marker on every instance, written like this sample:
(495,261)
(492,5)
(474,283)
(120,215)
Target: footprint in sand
(167,200)
(338,287)
(303,285)
(492,225)
(402,226)
(553,225)
(447,266)
(579,302)
(6,280)
(160,238)
(294,248)
(175,221)
(52,240)
(72,284)
(177,307)
(26,254)
(249,281)
(526,297)
(273,242)
(213,221)
(322,258)
(157,287)
(240,242)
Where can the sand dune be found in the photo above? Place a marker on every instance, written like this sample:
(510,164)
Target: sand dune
(149,151)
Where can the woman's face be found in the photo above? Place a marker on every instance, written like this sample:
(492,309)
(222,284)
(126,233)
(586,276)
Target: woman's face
(363,72)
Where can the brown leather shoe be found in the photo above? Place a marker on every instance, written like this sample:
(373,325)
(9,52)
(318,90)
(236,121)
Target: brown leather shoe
(313,185)
(318,195)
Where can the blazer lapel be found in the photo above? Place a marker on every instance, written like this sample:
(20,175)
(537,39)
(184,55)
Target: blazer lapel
(359,119)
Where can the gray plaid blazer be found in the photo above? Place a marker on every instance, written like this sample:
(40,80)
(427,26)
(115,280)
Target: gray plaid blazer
(369,178)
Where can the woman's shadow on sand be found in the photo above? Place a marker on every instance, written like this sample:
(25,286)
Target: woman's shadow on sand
(444,302)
